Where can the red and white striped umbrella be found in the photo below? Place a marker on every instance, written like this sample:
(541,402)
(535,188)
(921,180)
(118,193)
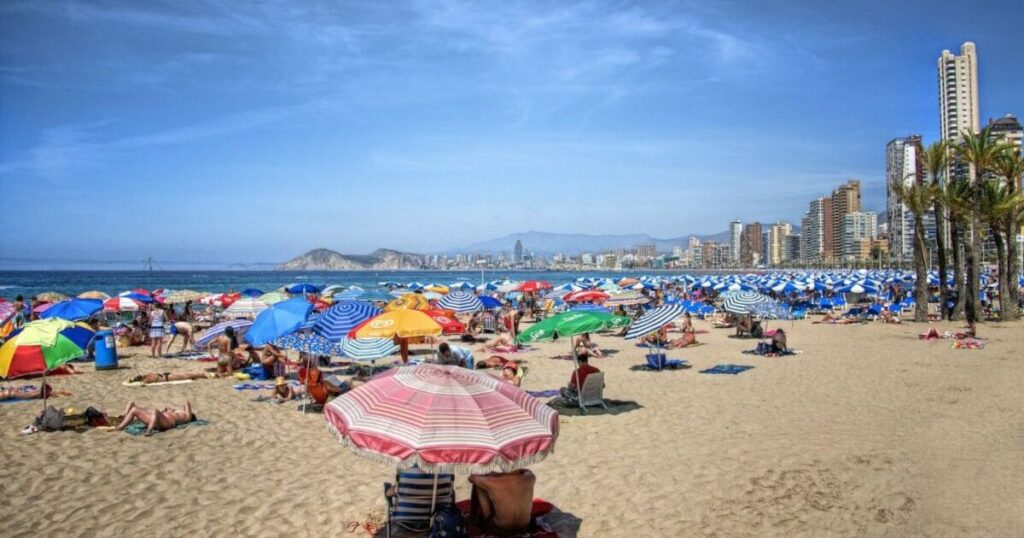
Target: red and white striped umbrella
(443,419)
(121,304)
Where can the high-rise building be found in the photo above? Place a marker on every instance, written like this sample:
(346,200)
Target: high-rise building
(812,232)
(775,251)
(902,166)
(645,250)
(709,254)
(517,254)
(845,199)
(792,250)
(958,92)
(858,227)
(735,232)
(1007,130)
(750,245)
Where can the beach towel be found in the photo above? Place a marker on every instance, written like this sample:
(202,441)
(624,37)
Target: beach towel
(732,369)
(968,343)
(138,427)
(129,383)
(543,393)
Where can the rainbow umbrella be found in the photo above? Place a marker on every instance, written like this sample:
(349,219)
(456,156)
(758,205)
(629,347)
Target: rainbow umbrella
(43,345)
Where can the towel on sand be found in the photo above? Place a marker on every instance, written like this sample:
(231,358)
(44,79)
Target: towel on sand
(138,428)
(727,369)
(129,383)
(543,393)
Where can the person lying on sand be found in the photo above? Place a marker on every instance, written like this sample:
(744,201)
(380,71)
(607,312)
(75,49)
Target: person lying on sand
(584,342)
(501,502)
(14,393)
(688,339)
(510,373)
(494,361)
(151,378)
(284,392)
(157,419)
(502,343)
(888,317)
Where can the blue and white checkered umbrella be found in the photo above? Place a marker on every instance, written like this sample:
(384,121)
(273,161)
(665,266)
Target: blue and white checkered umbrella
(209,335)
(368,349)
(461,302)
(653,320)
(309,343)
(342,317)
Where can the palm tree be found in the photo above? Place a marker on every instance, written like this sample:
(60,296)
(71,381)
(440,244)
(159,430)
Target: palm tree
(955,199)
(979,150)
(1010,166)
(998,203)
(918,198)
(935,161)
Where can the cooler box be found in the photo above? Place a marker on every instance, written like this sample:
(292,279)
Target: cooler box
(106,350)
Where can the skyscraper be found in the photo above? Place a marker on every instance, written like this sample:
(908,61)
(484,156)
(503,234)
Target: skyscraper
(750,245)
(845,199)
(735,231)
(1007,130)
(775,253)
(859,229)
(517,254)
(901,167)
(812,232)
(958,92)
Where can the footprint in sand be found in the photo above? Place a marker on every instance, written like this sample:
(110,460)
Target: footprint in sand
(895,508)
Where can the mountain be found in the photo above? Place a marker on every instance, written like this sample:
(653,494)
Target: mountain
(547,243)
(322,259)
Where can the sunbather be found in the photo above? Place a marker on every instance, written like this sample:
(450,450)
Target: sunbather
(501,502)
(502,343)
(494,361)
(510,373)
(688,339)
(157,419)
(231,354)
(283,392)
(888,317)
(150,378)
(585,343)
(13,393)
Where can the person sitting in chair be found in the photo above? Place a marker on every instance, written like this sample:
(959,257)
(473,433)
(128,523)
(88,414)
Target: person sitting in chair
(571,391)
(501,503)
(745,325)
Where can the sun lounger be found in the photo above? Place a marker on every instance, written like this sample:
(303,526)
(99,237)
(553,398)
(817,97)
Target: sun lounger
(411,497)
(591,394)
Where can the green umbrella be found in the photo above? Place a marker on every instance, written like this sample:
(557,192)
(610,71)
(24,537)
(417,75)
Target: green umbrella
(571,324)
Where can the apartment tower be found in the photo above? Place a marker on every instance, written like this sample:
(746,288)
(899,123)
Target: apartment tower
(902,166)
(845,200)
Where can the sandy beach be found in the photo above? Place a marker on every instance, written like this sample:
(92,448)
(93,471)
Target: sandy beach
(867,432)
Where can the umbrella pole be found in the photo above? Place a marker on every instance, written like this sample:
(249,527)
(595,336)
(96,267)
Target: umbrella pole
(43,389)
(433,496)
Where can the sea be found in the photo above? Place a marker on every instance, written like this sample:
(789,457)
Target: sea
(71,283)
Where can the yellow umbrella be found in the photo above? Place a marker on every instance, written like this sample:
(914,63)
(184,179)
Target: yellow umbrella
(184,296)
(274,297)
(95,294)
(409,301)
(437,288)
(402,323)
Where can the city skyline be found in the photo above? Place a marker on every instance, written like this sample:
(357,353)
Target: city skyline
(137,150)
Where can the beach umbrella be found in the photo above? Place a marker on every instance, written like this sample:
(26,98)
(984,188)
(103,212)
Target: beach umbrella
(588,296)
(626,299)
(274,297)
(447,323)
(586,307)
(488,301)
(251,292)
(390,284)
(122,304)
(245,308)
(436,288)
(745,302)
(281,319)
(229,299)
(51,297)
(534,286)
(341,318)
(507,286)
(461,285)
(142,298)
(331,290)
(416,286)
(857,287)
(443,419)
(41,307)
(43,345)
(95,294)
(183,296)
(460,302)
(309,343)
(375,296)
(303,289)
(7,312)
(570,324)
(350,294)
(368,349)
(240,327)
(73,309)
(409,301)
(653,320)
(402,323)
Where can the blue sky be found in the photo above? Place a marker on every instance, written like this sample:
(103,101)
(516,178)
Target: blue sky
(240,132)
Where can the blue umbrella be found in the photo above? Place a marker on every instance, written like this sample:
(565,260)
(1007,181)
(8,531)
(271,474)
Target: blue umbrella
(279,320)
(146,299)
(350,294)
(239,325)
(461,285)
(461,302)
(251,292)
(74,309)
(590,308)
(376,295)
(488,301)
(342,317)
(304,288)
(309,343)
(368,349)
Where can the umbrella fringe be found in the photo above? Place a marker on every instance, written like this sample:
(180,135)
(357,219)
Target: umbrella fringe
(499,464)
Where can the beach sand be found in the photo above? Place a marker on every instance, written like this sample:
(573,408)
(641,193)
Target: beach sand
(868,432)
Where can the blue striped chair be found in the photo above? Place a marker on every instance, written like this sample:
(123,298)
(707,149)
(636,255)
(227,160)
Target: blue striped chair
(410,498)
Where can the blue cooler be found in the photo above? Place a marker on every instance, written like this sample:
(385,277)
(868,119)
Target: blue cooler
(106,350)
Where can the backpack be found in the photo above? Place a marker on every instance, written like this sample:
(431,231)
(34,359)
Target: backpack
(447,523)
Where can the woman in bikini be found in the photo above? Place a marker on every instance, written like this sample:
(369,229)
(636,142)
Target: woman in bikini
(14,393)
(166,377)
(585,343)
(157,419)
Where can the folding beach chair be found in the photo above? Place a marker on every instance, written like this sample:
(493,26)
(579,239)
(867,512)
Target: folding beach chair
(592,392)
(411,497)
(488,323)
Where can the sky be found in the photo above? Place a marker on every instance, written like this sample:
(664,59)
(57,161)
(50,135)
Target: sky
(233,131)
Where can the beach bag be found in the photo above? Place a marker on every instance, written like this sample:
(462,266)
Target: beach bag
(447,523)
(763,348)
(52,420)
(757,331)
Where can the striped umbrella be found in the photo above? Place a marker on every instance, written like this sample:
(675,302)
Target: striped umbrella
(745,302)
(43,345)
(95,294)
(653,320)
(626,299)
(341,318)
(183,296)
(309,343)
(409,301)
(350,294)
(460,302)
(7,312)
(247,308)
(51,297)
(443,419)
(211,334)
(274,297)
(368,349)
(121,304)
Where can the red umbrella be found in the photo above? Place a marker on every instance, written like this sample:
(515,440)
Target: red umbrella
(534,285)
(227,299)
(116,304)
(448,324)
(586,296)
(142,291)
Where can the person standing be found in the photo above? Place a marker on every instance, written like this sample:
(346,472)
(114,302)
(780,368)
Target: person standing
(156,331)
